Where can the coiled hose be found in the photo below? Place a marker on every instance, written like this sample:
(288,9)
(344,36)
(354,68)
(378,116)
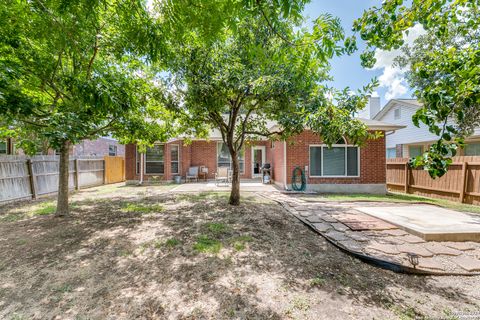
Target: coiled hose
(298,172)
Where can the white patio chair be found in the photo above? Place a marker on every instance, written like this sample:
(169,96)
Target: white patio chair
(192,174)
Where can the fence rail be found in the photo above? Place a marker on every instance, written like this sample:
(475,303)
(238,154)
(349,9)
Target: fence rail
(461,182)
(29,177)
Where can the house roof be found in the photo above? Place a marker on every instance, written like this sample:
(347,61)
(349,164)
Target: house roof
(393,102)
(380,125)
(371,124)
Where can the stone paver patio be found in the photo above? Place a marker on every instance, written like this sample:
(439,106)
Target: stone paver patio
(373,239)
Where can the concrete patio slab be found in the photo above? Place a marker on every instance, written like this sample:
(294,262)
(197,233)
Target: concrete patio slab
(430,222)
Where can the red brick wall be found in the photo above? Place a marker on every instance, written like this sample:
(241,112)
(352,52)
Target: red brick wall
(197,153)
(372,160)
(277,156)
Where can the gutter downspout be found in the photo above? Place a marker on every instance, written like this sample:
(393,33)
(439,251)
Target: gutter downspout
(141,169)
(285,184)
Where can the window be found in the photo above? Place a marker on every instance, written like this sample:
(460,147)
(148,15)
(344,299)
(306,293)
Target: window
(338,161)
(112,150)
(391,153)
(154,158)
(3,147)
(224,158)
(397,114)
(174,159)
(471,149)
(415,151)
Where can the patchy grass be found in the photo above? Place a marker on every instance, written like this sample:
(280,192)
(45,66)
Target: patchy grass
(142,208)
(318,281)
(203,259)
(205,244)
(239,243)
(45,208)
(393,197)
(216,228)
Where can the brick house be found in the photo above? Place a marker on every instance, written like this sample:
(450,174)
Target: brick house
(342,168)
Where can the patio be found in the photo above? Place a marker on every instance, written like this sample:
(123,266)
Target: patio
(253,185)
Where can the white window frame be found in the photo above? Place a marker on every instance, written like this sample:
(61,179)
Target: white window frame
(145,166)
(177,161)
(324,146)
(242,171)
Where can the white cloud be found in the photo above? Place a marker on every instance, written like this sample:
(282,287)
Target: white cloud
(392,77)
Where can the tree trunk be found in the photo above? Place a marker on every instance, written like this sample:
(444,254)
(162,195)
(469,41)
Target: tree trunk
(235,193)
(62,201)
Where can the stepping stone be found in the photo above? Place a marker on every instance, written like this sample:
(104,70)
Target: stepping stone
(410,238)
(314,219)
(352,245)
(396,232)
(385,248)
(357,236)
(305,213)
(337,236)
(359,217)
(468,263)
(370,225)
(340,227)
(322,226)
(437,249)
(391,240)
(430,263)
(463,246)
(416,249)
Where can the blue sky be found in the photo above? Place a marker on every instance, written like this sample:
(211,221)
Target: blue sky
(347,70)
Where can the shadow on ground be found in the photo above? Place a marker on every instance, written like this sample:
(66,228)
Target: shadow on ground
(139,252)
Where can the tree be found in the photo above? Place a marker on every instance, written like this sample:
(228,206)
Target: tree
(256,72)
(443,67)
(73,70)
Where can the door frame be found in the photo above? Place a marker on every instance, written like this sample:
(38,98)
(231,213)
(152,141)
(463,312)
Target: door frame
(264,159)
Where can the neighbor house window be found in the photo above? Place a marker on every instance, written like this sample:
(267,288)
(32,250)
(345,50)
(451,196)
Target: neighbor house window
(3,147)
(340,160)
(154,160)
(174,159)
(112,150)
(391,153)
(225,160)
(472,149)
(397,114)
(415,151)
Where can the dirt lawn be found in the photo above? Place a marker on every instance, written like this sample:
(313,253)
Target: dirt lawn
(146,253)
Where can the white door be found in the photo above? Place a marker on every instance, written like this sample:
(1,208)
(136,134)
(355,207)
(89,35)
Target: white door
(258,159)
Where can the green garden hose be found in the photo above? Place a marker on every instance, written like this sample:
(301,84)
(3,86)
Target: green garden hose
(296,172)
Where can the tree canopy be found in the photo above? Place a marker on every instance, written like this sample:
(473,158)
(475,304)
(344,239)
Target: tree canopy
(257,74)
(73,70)
(443,67)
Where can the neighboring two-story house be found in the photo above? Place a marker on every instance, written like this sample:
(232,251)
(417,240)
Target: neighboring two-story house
(411,141)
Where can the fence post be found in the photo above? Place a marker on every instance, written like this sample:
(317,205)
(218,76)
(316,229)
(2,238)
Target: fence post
(407,176)
(464,182)
(33,182)
(76,174)
(104,170)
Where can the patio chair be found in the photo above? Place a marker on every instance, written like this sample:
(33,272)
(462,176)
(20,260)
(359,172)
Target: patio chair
(224,175)
(192,174)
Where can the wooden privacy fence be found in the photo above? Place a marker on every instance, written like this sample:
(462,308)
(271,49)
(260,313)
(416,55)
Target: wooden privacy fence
(461,182)
(29,177)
